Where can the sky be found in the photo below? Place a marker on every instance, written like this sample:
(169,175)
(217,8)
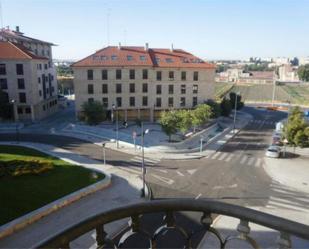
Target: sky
(210,29)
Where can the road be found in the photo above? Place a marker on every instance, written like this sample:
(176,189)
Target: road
(234,173)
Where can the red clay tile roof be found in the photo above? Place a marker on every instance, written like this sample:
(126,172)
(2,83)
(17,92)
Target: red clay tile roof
(9,50)
(138,56)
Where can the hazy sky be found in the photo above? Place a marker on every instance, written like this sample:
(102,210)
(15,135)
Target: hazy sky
(211,29)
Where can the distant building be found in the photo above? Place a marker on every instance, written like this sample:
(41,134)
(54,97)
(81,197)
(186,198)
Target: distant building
(287,73)
(281,61)
(303,61)
(27,75)
(252,77)
(141,82)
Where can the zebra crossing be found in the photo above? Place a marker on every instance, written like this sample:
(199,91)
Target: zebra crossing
(241,158)
(147,161)
(265,122)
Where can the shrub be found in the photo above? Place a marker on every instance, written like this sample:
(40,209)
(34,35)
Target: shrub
(226,107)
(22,167)
(94,112)
(215,108)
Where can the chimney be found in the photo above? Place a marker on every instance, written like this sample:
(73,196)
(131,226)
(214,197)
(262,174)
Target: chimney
(172,48)
(146,46)
(17,29)
(119,45)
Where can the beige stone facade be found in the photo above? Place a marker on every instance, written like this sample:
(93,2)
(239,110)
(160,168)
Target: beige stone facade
(176,93)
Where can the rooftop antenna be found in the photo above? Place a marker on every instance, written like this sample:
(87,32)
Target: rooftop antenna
(107,24)
(1,15)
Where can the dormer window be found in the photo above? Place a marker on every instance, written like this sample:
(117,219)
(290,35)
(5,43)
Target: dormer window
(95,57)
(142,57)
(104,58)
(114,57)
(169,60)
(129,57)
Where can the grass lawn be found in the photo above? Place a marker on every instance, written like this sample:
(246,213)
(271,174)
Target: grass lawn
(22,194)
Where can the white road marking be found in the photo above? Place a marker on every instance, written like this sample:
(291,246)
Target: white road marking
(130,170)
(164,179)
(251,161)
(223,155)
(216,155)
(244,159)
(191,171)
(229,158)
(258,162)
(161,170)
(198,196)
(179,173)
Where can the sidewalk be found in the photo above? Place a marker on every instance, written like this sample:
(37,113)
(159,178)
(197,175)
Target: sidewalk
(182,150)
(125,189)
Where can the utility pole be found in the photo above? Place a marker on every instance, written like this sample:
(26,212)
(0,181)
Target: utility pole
(274,90)
(104,158)
(235,110)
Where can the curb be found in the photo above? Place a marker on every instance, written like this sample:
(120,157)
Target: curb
(27,219)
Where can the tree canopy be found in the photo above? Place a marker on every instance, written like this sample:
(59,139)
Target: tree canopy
(303,73)
(94,112)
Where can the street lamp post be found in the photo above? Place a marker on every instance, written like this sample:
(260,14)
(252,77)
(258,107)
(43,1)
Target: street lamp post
(117,128)
(235,110)
(15,119)
(143,160)
(104,158)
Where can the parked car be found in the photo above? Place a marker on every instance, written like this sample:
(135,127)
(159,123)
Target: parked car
(273,151)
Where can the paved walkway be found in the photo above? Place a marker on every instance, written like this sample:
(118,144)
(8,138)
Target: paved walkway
(125,189)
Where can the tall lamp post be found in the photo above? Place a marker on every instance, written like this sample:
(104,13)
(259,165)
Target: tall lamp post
(143,160)
(117,135)
(235,110)
(104,158)
(15,119)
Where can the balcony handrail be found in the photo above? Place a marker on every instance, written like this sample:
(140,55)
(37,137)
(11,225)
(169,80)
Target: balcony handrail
(174,205)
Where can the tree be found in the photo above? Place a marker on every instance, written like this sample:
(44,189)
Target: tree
(184,120)
(5,106)
(239,104)
(169,123)
(303,73)
(201,114)
(94,112)
(215,108)
(226,107)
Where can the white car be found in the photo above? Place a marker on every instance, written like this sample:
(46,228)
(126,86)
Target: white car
(273,151)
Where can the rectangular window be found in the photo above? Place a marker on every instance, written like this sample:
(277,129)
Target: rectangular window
(45,66)
(194,101)
(170,89)
(158,102)
(132,74)
(132,101)
(20,110)
(195,76)
(2,69)
(118,74)
(159,89)
(182,101)
(145,100)
(90,100)
(104,74)
(3,84)
(40,92)
(39,80)
(118,88)
(90,74)
(195,88)
(183,75)
(119,101)
(28,110)
(104,88)
(90,89)
(170,102)
(22,98)
(19,69)
(132,88)
(159,75)
(183,89)
(145,87)
(105,102)
(145,74)
(171,75)
(21,83)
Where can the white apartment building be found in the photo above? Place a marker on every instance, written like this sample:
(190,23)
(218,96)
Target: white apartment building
(141,82)
(287,73)
(27,75)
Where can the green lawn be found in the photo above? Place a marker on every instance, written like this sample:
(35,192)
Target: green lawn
(22,194)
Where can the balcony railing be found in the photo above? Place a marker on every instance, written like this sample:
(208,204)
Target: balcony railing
(169,207)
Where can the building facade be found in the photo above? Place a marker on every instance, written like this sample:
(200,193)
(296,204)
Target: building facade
(27,75)
(141,82)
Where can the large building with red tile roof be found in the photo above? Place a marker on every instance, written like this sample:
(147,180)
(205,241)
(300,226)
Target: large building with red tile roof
(141,81)
(27,75)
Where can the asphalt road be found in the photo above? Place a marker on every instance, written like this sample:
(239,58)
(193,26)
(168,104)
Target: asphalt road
(234,174)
